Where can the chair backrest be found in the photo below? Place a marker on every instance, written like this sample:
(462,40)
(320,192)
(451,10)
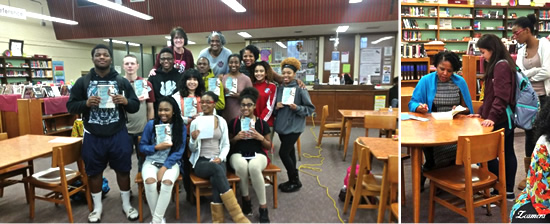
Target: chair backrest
(356,157)
(384,109)
(380,122)
(476,105)
(3,136)
(481,148)
(393,169)
(66,154)
(324,115)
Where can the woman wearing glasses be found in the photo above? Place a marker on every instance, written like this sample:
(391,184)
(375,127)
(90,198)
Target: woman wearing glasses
(208,158)
(249,135)
(534,61)
(183,58)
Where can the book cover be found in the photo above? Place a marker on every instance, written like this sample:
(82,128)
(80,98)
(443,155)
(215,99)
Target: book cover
(231,85)
(163,133)
(213,84)
(245,124)
(18,89)
(190,106)
(105,92)
(2,88)
(141,89)
(64,90)
(48,91)
(9,89)
(55,90)
(288,95)
(37,91)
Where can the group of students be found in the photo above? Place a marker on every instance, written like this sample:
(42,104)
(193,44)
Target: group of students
(228,123)
(443,90)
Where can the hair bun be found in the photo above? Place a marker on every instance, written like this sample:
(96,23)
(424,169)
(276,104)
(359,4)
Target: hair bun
(250,91)
(532,18)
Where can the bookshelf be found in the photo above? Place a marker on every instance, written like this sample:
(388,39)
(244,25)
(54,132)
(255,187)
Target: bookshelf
(25,69)
(412,69)
(32,120)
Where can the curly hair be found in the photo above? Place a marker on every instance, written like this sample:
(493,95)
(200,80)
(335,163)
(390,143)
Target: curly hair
(177,121)
(291,61)
(542,123)
(249,93)
(253,49)
(449,56)
(268,71)
(188,74)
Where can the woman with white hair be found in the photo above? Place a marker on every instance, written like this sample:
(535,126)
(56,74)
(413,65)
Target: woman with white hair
(216,53)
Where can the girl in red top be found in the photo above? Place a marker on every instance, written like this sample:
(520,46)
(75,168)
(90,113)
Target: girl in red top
(263,82)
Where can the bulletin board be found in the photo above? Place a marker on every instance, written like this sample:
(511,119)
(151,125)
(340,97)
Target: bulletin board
(377,58)
(304,49)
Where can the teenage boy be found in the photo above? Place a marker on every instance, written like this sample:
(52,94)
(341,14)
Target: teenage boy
(137,121)
(167,80)
(105,134)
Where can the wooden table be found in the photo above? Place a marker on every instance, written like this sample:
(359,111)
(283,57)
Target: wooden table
(348,115)
(417,134)
(382,149)
(26,148)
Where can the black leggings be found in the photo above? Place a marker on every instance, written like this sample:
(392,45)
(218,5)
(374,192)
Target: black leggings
(530,140)
(509,156)
(287,151)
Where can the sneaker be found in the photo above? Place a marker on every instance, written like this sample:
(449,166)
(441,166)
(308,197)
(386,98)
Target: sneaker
(132,214)
(510,196)
(94,217)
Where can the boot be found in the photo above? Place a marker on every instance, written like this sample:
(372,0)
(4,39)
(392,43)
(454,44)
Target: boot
(285,184)
(294,185)
(217,212)
(230,202)
(264,216)
(247,207)
(527,164)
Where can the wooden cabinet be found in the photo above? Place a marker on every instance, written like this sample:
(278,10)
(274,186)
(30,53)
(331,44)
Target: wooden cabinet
(32,120)
(23,69)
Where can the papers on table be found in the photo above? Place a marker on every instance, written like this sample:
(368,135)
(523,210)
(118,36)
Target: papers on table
(163,133)
(64,140)
(205,124)
(105,92)
(442,115)
(288,95)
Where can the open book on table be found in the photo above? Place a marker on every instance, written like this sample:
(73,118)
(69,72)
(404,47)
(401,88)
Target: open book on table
(449,114)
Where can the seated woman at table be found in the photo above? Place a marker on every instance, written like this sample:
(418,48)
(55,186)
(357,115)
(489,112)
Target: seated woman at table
(441,91)
(500,81)
(533,203)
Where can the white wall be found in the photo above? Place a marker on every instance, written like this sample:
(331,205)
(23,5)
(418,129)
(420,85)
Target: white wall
(41,39)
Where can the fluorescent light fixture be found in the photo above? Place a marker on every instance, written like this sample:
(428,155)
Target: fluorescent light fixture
(382,39)
(168,37)
(19,13)
(191,42)
(355,1)
(342,29)
(122,9)
(244,34)
(122,42)
(233,4)
(281,44)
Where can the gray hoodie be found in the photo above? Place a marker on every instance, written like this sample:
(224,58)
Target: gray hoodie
(289,121)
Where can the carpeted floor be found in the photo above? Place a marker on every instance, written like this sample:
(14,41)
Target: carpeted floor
(309,205)
(444,215)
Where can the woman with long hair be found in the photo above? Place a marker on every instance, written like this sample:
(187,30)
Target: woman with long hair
(233,82)
(189,95)
(263,82)
(249,135)
(500,89)
(208,159)
(163,159)
(534,61)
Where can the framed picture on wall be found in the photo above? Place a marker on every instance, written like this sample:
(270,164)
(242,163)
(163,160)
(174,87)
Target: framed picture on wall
(16,47)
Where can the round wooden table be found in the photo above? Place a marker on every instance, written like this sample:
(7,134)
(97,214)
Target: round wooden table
(417,134)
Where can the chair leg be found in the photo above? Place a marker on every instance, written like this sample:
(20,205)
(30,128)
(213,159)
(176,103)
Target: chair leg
(26,185)
(431,203)
(299,146)
(140,201)
(504,209)
(403,198)
(348,197)
(1,190)
(198,203)
(177,201)
(275,190)
(354,206)
(469,200)
(67,202)
(31,203)
(320,136)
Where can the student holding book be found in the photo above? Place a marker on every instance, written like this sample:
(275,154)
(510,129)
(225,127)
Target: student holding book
(292,108)
(191,88)
(500,91)
(534,61)
(203,65)
(249,135)
(441,91)
(234,82)
(209,145)
(167,78)
(163,141)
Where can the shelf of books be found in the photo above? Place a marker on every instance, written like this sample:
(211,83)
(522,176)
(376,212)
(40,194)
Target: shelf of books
(33,120)
(22,70)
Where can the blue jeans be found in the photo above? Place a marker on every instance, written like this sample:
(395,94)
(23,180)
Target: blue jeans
(217,175)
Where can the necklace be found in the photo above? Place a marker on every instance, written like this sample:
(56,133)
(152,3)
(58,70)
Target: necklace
(176,65)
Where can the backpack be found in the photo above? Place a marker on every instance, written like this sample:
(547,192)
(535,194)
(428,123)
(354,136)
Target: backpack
(262,130)
(526,103)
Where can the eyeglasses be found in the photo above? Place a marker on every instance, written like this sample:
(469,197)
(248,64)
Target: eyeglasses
(247,105)
(166,59)
(515,34)
(207,102)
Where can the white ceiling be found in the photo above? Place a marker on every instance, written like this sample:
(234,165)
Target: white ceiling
(233,37)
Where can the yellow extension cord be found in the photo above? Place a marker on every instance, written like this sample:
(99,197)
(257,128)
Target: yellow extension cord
(315,167)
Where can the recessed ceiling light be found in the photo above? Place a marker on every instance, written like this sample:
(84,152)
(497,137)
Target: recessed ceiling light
(342,29)
(122,9)
(354,1)
(122,42)
(191,42)
(244,34)
(168,37)
(233,4)
(281,44)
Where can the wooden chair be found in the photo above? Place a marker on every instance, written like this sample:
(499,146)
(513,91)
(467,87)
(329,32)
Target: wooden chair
(380,122)
(464,180)
(385,132)
(476,104)
(328,130)
(270,174)
(23,169)
(299,148)
(141,189)
(363,184)
(393,175)
(202,187)
(61,189)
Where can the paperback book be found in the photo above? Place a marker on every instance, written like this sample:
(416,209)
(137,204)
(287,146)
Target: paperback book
(189,106)
(214,85)
(37,91)
(105,92)
(141,89)
(163,133)
(231,85)
(288,95)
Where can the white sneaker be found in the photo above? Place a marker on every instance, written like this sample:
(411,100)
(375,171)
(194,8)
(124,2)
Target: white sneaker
(132,214)
(94,217)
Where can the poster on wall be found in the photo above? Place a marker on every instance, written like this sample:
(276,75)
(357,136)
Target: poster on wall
(334,67)
(386,74)
(265,54)
(58,71)
(371,55)
(336,55)
(345,56)
(294,48)
(388,51)
(379,102)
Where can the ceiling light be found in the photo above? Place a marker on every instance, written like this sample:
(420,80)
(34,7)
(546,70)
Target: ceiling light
(191,42)
(382,39)
(233,4)
(19,13)
(188,41)
(281,44)
(244,34)
(168,37)
(342,29)
(122,42)
(122,9)
(354,1)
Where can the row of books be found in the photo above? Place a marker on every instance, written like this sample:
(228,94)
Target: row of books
(42,73)
(410,24)
(413,51)
(544,26)
(36,91)
(413,72)
(490,14)
(412,35)
(17,73)
(544,14)
(41,64)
